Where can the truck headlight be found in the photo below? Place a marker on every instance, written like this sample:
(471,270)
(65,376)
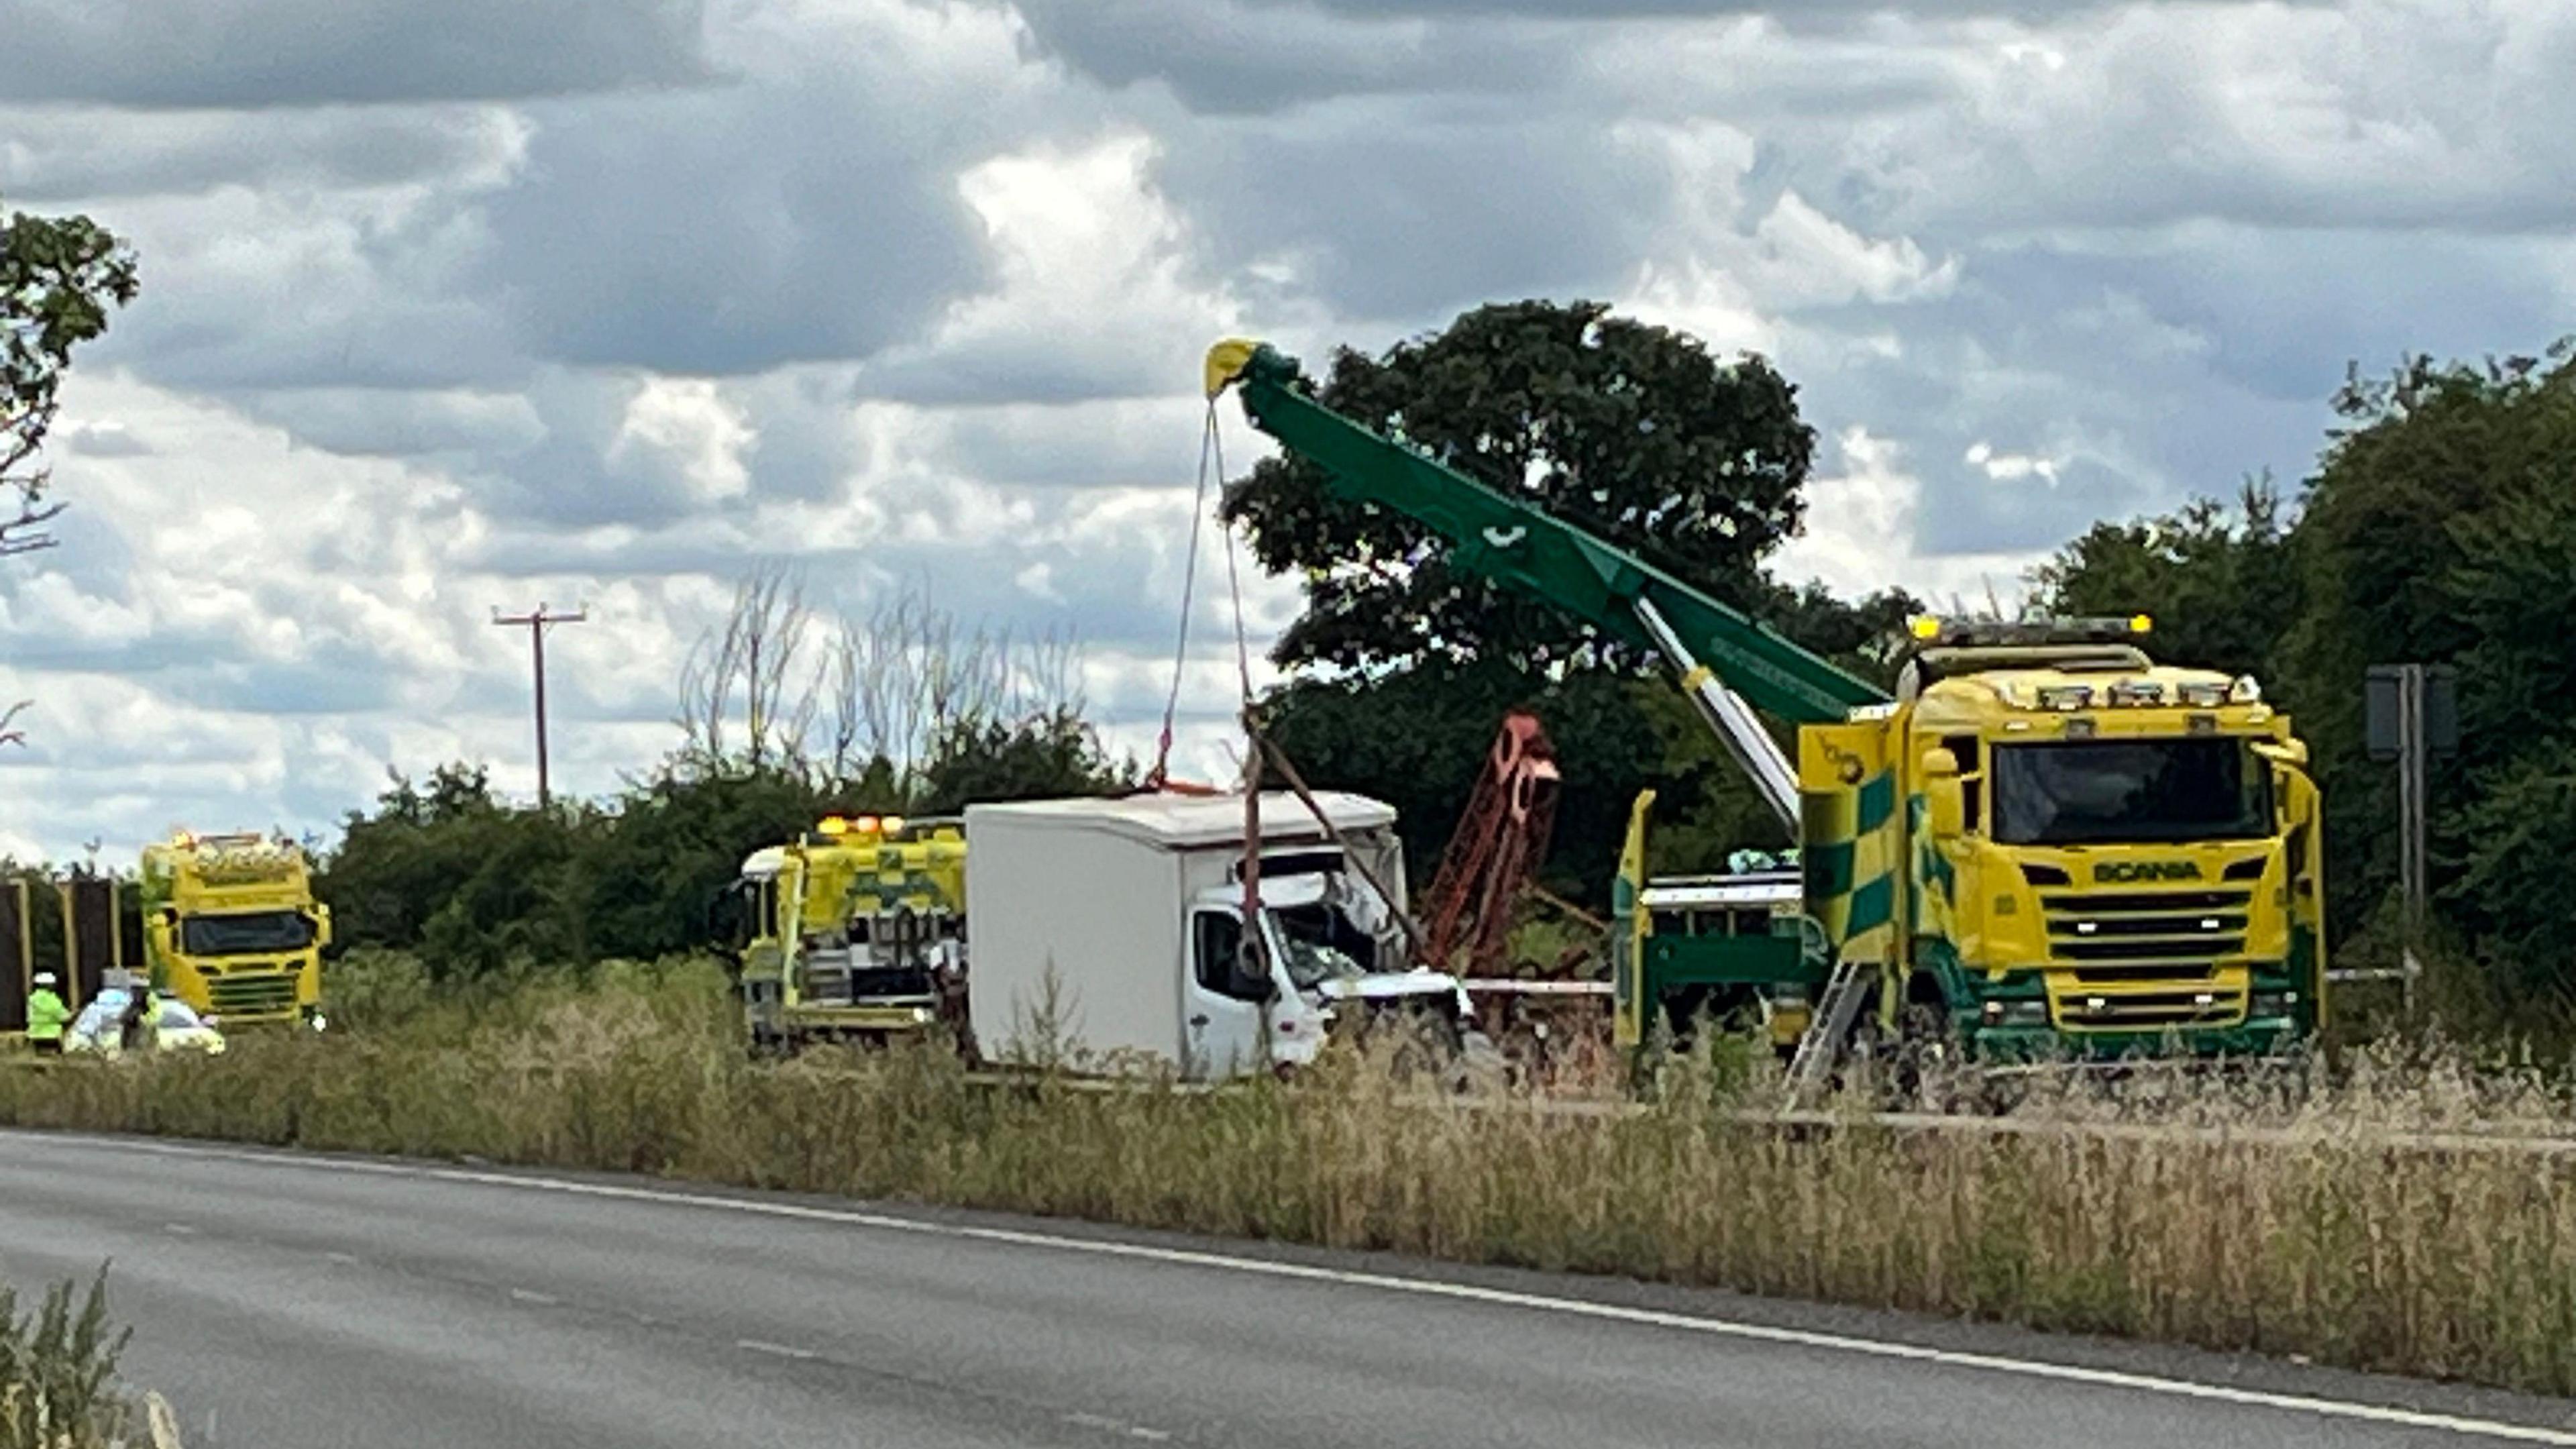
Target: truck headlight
(2031,1011)
(2273,1003)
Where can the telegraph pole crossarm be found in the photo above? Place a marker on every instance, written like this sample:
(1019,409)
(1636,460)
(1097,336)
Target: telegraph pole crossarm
(535,623)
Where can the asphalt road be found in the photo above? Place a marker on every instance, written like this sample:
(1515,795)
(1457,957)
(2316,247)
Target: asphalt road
(283,1302)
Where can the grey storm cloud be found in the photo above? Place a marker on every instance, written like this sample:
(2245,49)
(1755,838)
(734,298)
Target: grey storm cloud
(253,54)
(88,156)
(1233,58)
(715,233)
(1421,210)
(1251,56)
(360,422)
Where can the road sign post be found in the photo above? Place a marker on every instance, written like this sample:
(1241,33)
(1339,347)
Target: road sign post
(2413,715)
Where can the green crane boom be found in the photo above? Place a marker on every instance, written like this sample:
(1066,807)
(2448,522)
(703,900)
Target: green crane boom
(1726,660)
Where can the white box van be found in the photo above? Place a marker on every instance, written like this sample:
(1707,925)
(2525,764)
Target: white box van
(1113,928)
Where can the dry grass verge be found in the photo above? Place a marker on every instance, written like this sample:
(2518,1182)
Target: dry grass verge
(2328,1241)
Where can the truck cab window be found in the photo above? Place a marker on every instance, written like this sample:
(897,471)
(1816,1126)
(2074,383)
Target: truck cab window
(1217,942)
(1963,748)
(245,933)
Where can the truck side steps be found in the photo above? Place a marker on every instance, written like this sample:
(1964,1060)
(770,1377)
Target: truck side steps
(1845,992)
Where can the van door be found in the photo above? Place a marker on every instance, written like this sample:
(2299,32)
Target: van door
(1224,1003)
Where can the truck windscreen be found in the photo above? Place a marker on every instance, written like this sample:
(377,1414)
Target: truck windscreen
(248,933)
(2148,791)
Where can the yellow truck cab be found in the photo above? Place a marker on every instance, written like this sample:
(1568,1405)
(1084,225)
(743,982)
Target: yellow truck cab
(2104,853)
(231,928)
(856,929)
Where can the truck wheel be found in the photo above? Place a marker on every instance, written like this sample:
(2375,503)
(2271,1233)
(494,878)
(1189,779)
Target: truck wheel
(1928,1064)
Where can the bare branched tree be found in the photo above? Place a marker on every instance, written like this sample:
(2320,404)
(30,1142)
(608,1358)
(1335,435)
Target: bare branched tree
(750,689)
(907,672)
(777,687)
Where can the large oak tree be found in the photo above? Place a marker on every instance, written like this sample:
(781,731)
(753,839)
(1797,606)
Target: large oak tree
(1634,431)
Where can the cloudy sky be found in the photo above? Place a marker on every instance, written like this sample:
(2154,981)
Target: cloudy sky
(456,304)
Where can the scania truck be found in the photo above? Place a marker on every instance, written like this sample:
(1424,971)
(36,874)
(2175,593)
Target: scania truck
(231,927)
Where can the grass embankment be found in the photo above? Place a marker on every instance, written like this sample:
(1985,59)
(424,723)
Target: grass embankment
(58,1386)
(2335,1245)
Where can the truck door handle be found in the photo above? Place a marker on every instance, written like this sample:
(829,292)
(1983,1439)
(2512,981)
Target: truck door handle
(1199,1020)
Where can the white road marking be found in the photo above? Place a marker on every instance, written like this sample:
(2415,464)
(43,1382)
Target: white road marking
(530,1295)
(1116,1426)
(1419,1287)
(775,1350)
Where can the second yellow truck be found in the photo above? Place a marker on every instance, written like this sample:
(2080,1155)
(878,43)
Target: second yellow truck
(231,927)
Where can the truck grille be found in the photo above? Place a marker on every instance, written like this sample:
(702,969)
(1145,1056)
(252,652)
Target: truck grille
(2182,931)
(245,993)
(2147,960)
(2149,1010)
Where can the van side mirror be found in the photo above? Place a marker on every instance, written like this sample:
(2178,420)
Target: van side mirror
(1945,799)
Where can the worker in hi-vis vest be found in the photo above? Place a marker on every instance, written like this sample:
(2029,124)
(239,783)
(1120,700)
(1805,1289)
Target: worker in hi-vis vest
(46,1015)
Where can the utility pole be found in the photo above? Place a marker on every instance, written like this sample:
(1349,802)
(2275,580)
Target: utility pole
(535,623)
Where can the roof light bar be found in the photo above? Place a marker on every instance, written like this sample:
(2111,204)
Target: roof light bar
(1931,629)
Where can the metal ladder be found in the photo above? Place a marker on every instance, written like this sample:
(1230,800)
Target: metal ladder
(1845,992)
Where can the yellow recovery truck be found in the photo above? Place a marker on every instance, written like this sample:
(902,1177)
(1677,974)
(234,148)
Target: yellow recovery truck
(2042,844)
(231,928)
(854,930)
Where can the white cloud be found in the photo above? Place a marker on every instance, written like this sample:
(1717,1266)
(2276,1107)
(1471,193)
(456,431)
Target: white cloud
(1094,292)
(2005,467)
(1862,534)
(679,435)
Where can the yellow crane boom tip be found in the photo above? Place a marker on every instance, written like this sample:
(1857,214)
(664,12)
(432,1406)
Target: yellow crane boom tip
(1226,361)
